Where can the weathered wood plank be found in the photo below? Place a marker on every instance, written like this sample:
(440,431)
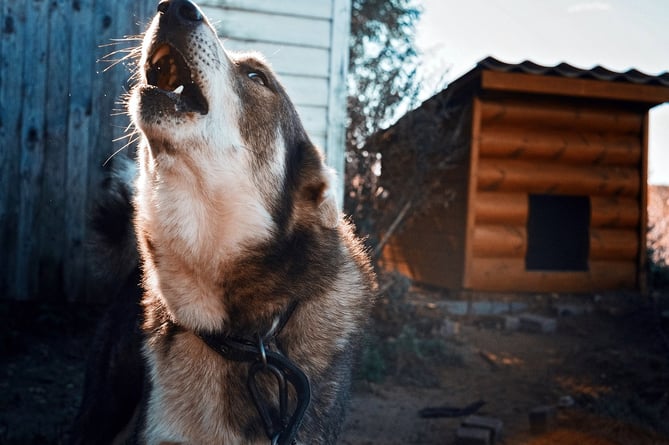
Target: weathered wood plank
(314,119)
(81,51)
(143,13)
(102,26)
(614,244)
(337,91)
(613,212)
(472,192)
(287,59)
(542,177)
(299,8)
(499,241)
(32,148)
(110,81)
(501,208)
(573,147)
(306,91)
(559,116)
(642,257)
(107,16)
(13,25)
(509,275)
(587,88)
(54,194)
(263,27)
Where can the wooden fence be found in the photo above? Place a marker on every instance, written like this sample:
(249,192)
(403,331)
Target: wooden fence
(59,113)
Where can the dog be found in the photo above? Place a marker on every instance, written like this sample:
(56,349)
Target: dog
(240,323)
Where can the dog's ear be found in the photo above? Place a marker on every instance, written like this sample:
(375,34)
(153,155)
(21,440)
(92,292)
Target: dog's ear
(328,207)
(318,202)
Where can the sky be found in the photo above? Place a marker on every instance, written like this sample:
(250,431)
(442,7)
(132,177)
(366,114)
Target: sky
(618,34)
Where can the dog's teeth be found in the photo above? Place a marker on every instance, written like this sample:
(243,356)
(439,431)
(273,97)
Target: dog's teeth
(179,89)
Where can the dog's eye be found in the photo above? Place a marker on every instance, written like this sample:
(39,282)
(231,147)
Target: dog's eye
(257,77)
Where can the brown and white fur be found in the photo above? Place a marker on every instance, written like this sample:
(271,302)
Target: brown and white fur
(236,221)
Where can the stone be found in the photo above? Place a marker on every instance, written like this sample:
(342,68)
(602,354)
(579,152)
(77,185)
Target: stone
(492,424)
(542,419)
(511,323)
(572,309)
(472,436)
(537,323)
(449,329)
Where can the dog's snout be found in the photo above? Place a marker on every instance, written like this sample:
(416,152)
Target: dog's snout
(183,11)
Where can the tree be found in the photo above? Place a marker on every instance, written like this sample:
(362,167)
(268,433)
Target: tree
(383,83)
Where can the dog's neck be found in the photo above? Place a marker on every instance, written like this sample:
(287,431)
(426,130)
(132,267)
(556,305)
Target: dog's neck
(192,226)
(204,215)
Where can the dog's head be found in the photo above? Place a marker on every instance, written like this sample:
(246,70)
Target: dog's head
(220,129)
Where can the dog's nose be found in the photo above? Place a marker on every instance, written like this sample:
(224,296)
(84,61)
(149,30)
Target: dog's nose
(184,11)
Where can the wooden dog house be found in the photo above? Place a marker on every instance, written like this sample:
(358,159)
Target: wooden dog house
(546,178)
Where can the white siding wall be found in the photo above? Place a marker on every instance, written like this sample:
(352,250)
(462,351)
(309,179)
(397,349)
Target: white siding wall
(306,41)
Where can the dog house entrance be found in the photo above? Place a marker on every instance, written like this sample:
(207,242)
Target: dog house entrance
(558,233)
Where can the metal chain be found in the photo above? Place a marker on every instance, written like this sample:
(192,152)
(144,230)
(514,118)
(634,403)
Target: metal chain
(281,431)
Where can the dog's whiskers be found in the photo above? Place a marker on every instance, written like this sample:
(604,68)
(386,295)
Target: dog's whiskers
(122,103)
(131,55)
(128,53)
(125,136)
(128,131)
(134,137)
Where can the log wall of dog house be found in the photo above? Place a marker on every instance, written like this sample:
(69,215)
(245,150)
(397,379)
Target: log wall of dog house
(524,147)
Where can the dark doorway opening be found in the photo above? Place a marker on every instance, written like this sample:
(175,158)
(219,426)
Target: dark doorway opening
(558,233)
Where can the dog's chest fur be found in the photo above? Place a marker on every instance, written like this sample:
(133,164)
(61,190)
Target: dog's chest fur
(190,400)
(198,397)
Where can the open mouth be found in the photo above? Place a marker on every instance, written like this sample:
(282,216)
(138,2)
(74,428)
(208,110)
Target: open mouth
(168,71)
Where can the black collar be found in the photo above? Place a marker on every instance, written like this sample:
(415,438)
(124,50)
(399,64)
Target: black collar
(258,351)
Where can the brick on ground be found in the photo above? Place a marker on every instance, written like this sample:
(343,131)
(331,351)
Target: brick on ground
(466,435)
(537,323)
(491,424)
(542,419)
(511,323)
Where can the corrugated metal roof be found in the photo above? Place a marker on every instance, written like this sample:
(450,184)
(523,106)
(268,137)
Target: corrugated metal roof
(566,70)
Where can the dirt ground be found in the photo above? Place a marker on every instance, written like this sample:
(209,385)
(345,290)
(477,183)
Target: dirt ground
(610,364)
(611,361)
(608,360)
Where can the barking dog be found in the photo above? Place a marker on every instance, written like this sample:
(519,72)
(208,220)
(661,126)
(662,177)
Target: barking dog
(253,289)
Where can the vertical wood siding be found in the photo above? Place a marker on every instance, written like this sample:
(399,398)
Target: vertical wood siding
(306,42)
(56,130)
